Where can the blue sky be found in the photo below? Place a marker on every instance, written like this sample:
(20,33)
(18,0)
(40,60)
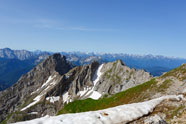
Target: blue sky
(113,26)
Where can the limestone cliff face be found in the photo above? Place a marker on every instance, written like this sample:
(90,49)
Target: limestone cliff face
(94,80)
(75,81)
(12,98)
(54,83)
(118,77)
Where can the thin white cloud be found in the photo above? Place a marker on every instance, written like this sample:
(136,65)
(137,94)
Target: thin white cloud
(52,24)
(78,28)
(88,29)
(58,25)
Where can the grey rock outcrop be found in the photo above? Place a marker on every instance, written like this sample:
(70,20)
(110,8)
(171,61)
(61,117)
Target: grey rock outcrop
(54,83)
(155,120)
(118,77)
(12,98)
(115,77)
(77,79)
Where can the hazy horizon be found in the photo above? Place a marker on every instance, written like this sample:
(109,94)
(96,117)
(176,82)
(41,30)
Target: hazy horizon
(85,52)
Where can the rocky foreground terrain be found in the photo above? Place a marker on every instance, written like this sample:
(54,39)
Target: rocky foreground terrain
(56,87)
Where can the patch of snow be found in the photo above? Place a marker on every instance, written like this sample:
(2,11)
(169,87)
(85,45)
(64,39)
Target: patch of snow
(120,114)
(85,91)
(53,99)
(50,82)
(97,75)
(46,83)
(35,91)
(82,93)
(33,113)
(95,95)
(65,97)
(89,92)
(36,100)
(46,86)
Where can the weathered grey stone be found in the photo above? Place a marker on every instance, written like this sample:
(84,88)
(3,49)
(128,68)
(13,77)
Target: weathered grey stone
(16,95)
(155,120)
(64,81)
(118,77)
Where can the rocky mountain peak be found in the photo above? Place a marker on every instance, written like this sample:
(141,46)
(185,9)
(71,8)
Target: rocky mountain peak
(57,63)
(11,98)
(120,62)
(116,77)
(56,57)
(54,83)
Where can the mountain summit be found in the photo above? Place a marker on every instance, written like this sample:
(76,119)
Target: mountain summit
(53,83)
(12,98)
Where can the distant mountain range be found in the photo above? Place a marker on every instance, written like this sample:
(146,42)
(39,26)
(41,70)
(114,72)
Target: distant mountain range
(14,63)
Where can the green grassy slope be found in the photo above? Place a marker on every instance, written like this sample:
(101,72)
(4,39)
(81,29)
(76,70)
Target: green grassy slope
(135,94)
